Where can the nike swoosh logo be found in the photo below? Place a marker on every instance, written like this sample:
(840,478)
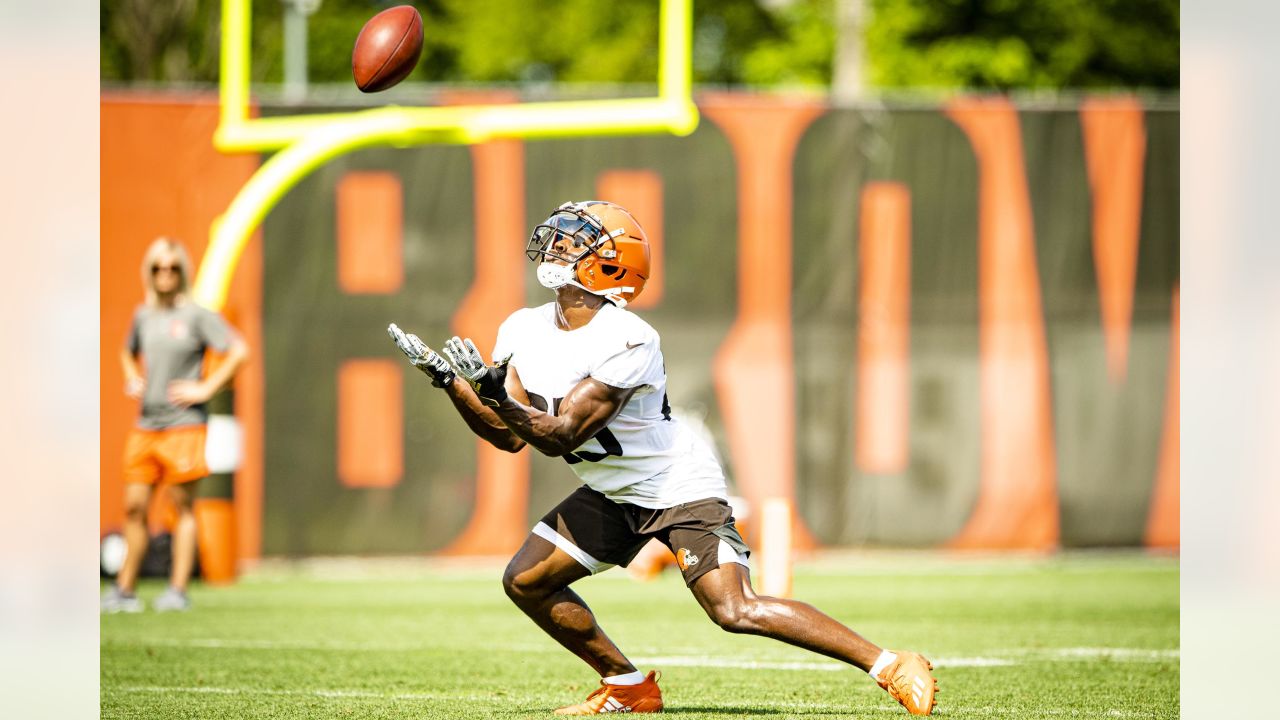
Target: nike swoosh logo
(633,347)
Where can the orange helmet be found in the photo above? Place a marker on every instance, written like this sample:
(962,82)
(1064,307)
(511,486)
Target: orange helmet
(609,254)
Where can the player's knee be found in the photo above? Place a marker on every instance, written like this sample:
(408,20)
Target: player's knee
(521,584)
(735,616)
(509,581)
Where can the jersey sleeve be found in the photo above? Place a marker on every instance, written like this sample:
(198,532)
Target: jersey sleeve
(638,362)
(214,331)
(506,341)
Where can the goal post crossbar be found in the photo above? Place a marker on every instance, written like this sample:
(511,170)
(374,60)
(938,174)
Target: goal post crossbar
(306,142)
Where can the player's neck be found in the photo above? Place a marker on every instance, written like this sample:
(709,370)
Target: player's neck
(575,307)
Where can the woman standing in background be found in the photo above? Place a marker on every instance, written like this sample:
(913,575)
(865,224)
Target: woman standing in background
(168,338)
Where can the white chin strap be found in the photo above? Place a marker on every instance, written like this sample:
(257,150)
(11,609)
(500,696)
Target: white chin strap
(554,277)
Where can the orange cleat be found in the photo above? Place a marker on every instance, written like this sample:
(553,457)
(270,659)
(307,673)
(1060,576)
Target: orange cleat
(909,682)
(642,698)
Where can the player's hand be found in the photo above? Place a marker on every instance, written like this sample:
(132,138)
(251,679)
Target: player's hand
(134,387)
(422,357)
(489,381)
(185,393)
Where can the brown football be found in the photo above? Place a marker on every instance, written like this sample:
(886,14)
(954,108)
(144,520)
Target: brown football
(387,48)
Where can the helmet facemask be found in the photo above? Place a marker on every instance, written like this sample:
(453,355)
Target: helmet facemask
(588,256)
(580,232)
(584,236)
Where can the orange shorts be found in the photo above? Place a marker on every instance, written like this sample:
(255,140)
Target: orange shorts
(173,455)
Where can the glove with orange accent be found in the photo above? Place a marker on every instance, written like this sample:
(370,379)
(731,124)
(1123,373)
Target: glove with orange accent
(422,357)
(489,381)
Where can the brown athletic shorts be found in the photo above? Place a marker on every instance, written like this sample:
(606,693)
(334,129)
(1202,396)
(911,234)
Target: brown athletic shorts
(600,533)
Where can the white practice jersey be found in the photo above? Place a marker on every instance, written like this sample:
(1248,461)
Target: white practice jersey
(645,456)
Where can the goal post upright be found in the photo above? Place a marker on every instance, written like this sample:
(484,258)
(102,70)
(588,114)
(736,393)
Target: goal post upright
(307,141)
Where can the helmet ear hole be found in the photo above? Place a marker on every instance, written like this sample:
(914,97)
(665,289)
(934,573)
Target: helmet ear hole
(612,270)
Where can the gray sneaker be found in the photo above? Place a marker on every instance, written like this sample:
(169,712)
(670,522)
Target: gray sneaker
(172,600)
(116,601)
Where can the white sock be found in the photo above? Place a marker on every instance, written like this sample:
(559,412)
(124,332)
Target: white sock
(881,663)
(631,678)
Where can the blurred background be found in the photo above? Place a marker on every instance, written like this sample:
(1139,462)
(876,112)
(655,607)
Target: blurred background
(858,48)
(917,268)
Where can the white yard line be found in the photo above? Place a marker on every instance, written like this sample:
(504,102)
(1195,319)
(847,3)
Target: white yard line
(1089,653)
(832,666)
(324,646)
(989,711)
(1101,653)
(201,689)
(709,662)
(1000,658)
(971,662)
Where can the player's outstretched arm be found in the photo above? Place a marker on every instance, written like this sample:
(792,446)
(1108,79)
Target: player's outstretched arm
(585,411)
(480,419)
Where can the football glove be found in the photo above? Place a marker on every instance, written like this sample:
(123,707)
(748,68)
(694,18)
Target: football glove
(489,381)
(422,357)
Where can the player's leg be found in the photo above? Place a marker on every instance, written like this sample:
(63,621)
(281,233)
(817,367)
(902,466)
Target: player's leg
(720,581)
(726,595)
(586,533)
(537,580)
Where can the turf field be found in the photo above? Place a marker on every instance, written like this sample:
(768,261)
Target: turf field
(1092,635)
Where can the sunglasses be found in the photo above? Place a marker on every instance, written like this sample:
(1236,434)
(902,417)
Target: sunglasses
(155,269)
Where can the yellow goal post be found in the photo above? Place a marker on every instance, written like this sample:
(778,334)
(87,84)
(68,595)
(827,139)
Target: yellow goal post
(305,142)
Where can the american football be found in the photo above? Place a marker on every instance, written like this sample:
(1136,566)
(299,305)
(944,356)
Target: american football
(387,48)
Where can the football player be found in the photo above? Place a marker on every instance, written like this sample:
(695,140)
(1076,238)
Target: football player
(583,378)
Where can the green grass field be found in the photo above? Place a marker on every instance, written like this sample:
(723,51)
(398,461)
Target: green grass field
(1092,635)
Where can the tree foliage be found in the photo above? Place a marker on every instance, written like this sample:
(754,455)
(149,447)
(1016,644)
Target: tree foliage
(1003,44)
(485,41)
(769,43)
(147,41)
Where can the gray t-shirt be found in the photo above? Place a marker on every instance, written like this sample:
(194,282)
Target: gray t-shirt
(172,342)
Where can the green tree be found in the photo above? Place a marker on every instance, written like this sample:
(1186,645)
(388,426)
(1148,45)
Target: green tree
(587,41)
(483,41)
(995,44)
(146,41)
(799,49)
(1004,44)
